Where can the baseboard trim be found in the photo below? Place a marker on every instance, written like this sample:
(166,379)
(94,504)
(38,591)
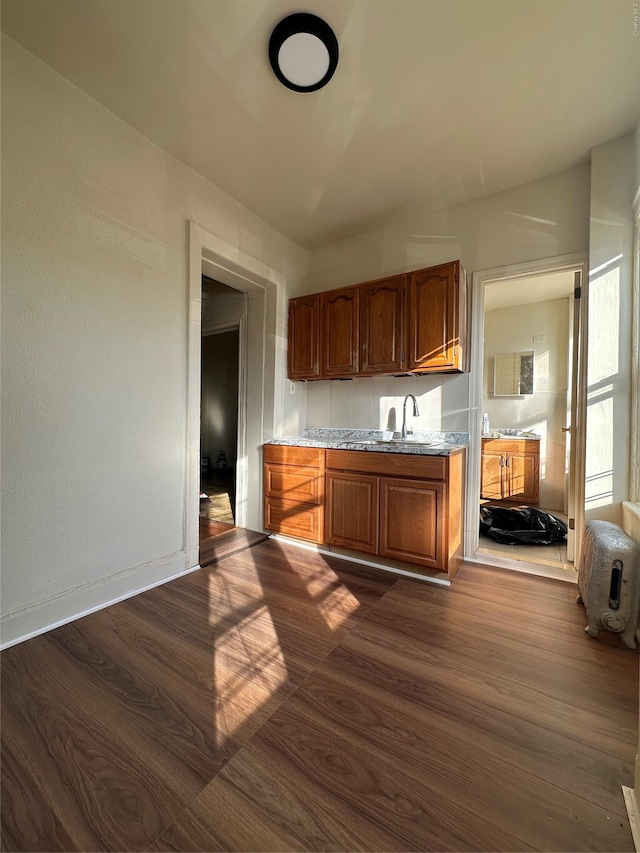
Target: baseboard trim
(25,624)
(362,561)
(634,816)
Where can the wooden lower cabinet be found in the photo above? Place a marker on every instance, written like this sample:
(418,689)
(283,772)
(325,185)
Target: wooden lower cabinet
(351,515)
(401,507)
(294,491)
(510,470)
(293,519)
(524,478)
(411,528)
(491,475)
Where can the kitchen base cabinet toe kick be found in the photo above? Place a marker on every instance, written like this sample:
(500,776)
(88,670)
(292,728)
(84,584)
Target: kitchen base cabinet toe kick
(399,512)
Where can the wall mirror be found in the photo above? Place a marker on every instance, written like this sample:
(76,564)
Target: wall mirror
(513,374)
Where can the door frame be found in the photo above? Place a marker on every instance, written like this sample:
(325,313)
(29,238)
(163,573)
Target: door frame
(262,385)
(578,261)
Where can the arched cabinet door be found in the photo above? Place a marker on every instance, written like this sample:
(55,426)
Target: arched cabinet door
(381,349)
(304,337)
(339,332)
(436,319)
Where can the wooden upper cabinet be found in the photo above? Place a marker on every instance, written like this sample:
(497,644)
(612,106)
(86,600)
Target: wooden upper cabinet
(381,325)
(409,323)
(436,319)
(303,351)
(339,332)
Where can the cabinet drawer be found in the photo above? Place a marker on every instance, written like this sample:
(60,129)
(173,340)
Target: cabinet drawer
(285,454)
(294,483)
(294,519)
(515,447)
(390,464)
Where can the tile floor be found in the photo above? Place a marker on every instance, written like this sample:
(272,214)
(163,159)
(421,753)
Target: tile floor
(547,555)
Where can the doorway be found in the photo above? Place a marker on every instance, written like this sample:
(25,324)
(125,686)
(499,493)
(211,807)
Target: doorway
(219,429)
(528,441)
(223,311)
(222,322)
(261,383)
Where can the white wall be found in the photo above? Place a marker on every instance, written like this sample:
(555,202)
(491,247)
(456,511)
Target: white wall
(610,312)
(545,411)
(539,220)
(370,403)
(94,224)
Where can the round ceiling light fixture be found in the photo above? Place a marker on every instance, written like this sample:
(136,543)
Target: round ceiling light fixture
(303,52)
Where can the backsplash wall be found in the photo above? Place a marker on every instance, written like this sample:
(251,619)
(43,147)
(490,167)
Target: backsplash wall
(376,402)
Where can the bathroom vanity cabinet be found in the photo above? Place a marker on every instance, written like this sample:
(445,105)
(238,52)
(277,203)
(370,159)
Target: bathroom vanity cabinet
(511,470)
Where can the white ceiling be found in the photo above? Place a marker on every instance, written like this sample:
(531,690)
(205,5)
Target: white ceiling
(533,288)
(434,102)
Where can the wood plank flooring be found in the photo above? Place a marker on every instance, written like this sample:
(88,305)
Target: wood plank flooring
(219,540)
(282,700)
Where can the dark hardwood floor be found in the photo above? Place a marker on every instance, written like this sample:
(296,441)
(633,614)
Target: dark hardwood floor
(281,700)
(219,537)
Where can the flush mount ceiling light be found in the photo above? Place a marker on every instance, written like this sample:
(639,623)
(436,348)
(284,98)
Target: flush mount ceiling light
(303,52)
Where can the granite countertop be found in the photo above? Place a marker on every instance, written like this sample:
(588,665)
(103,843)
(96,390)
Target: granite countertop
(420,443)
(512,433)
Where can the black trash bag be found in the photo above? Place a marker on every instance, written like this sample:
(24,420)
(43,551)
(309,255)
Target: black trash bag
(517,526)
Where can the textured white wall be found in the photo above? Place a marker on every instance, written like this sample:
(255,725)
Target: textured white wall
(539,220)
(94,330)
(610,312)
(545,411)
(542,219)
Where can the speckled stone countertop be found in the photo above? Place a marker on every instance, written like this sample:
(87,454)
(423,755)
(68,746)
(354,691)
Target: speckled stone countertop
(419,443)
(512,433)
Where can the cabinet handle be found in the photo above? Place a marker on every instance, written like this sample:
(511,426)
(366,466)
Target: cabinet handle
(502,462)
(506,462)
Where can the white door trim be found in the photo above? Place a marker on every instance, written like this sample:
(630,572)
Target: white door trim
(479,279)
(230,265)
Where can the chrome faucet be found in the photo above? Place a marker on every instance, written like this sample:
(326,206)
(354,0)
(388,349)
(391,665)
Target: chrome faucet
(404,414)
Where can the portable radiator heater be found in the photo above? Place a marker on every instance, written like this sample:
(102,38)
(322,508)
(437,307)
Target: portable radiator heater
(609,580)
